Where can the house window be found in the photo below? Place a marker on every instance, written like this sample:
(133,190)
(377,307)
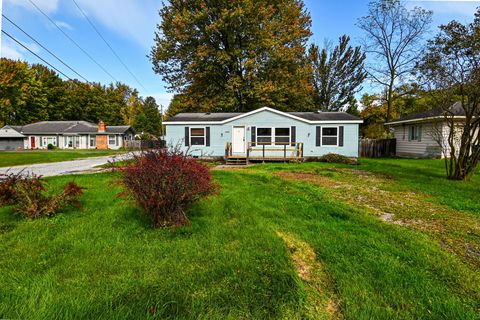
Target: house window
(112,139)
(282,136)
(72,141)
(197,136)
(330,136)
(69,142)
(93,141)
(414,133)
(48,140)
(264,136)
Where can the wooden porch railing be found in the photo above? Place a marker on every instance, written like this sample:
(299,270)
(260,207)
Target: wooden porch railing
(267,149)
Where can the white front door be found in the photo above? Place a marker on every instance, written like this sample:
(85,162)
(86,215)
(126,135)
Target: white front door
(238,140)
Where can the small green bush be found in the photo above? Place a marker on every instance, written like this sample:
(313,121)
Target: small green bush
(337,158)
(51,147)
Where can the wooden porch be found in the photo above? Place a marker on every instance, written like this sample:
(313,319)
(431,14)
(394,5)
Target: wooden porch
(265,152)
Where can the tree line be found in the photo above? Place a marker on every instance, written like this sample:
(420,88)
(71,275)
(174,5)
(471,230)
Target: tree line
(33,92)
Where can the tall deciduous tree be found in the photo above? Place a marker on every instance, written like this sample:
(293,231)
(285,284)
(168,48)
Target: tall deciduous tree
(21,93)
(451,68)
(337,75)
(393,43)
(235,55)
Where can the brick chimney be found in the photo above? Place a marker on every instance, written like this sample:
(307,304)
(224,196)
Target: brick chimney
(101,126)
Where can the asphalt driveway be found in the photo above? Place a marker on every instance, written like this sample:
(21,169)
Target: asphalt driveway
(65,167)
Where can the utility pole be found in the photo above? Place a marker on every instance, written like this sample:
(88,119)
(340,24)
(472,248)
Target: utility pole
(161,120)
(1,12)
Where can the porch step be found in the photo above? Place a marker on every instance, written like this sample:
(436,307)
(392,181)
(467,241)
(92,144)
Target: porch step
(236,161)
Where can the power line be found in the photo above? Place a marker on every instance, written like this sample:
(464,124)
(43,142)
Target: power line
(36,55)
(73,41)
(51,53)
(108,44)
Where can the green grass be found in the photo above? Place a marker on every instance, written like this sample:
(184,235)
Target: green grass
(106,262)
(18,158)
(427,176)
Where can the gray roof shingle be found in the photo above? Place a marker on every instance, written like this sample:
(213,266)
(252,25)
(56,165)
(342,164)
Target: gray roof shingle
(222,116)
(456,109)
(66,127)
(200,117)
(324,116)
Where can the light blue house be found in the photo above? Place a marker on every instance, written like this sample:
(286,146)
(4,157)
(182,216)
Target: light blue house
(264,134)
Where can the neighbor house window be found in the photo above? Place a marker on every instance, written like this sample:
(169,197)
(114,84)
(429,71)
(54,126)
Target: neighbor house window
(197,136)
(329,136)
(264,136)
(49,140)
(112,139)
(93,141)
(72,141)
(414,133)
(69,142)
(282,136)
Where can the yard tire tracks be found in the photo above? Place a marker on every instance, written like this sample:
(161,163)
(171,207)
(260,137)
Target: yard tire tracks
(321,302)
(455,231)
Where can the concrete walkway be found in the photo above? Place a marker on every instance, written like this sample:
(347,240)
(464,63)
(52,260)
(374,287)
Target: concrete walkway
(66,167)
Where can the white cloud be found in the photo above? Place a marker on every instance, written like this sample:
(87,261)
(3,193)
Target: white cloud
(10,50)
(163,98)
(63,25)
(131,18)
(450,7)
(48,6)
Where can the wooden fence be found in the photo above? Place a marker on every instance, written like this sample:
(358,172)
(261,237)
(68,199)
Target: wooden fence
(144,144)
(377,148)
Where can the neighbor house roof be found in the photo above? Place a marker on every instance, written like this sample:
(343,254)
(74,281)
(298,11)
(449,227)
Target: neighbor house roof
(67,127)
(220,118)
(9,132)
(455,110)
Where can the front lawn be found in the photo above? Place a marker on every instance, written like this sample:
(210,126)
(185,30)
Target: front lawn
(268,246)
(19,158)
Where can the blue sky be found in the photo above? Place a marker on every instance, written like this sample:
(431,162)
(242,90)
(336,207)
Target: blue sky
(129,25)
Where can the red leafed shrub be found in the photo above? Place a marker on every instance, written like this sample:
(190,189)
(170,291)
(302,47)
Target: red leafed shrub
(27,192)
(164,182)
(7,188)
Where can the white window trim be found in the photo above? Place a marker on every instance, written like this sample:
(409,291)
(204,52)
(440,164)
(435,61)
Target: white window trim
(416,133)
(271,136)
(44,141)
(90,136)
(321,136)
(116,140)
(204,136)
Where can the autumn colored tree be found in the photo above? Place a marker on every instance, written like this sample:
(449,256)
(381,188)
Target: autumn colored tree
(21,93)
(337,75)
(234,55)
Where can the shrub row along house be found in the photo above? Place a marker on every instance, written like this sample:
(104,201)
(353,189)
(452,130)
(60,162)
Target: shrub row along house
(426,134)
(264,134)
(65,135)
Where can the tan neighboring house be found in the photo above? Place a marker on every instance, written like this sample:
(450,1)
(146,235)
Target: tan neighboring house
(65,135)
(425,134)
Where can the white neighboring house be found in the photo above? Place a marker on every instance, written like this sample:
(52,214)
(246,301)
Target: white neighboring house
(65,135)
(425,134)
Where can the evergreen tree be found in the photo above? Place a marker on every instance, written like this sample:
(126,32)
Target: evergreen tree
(337,75)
